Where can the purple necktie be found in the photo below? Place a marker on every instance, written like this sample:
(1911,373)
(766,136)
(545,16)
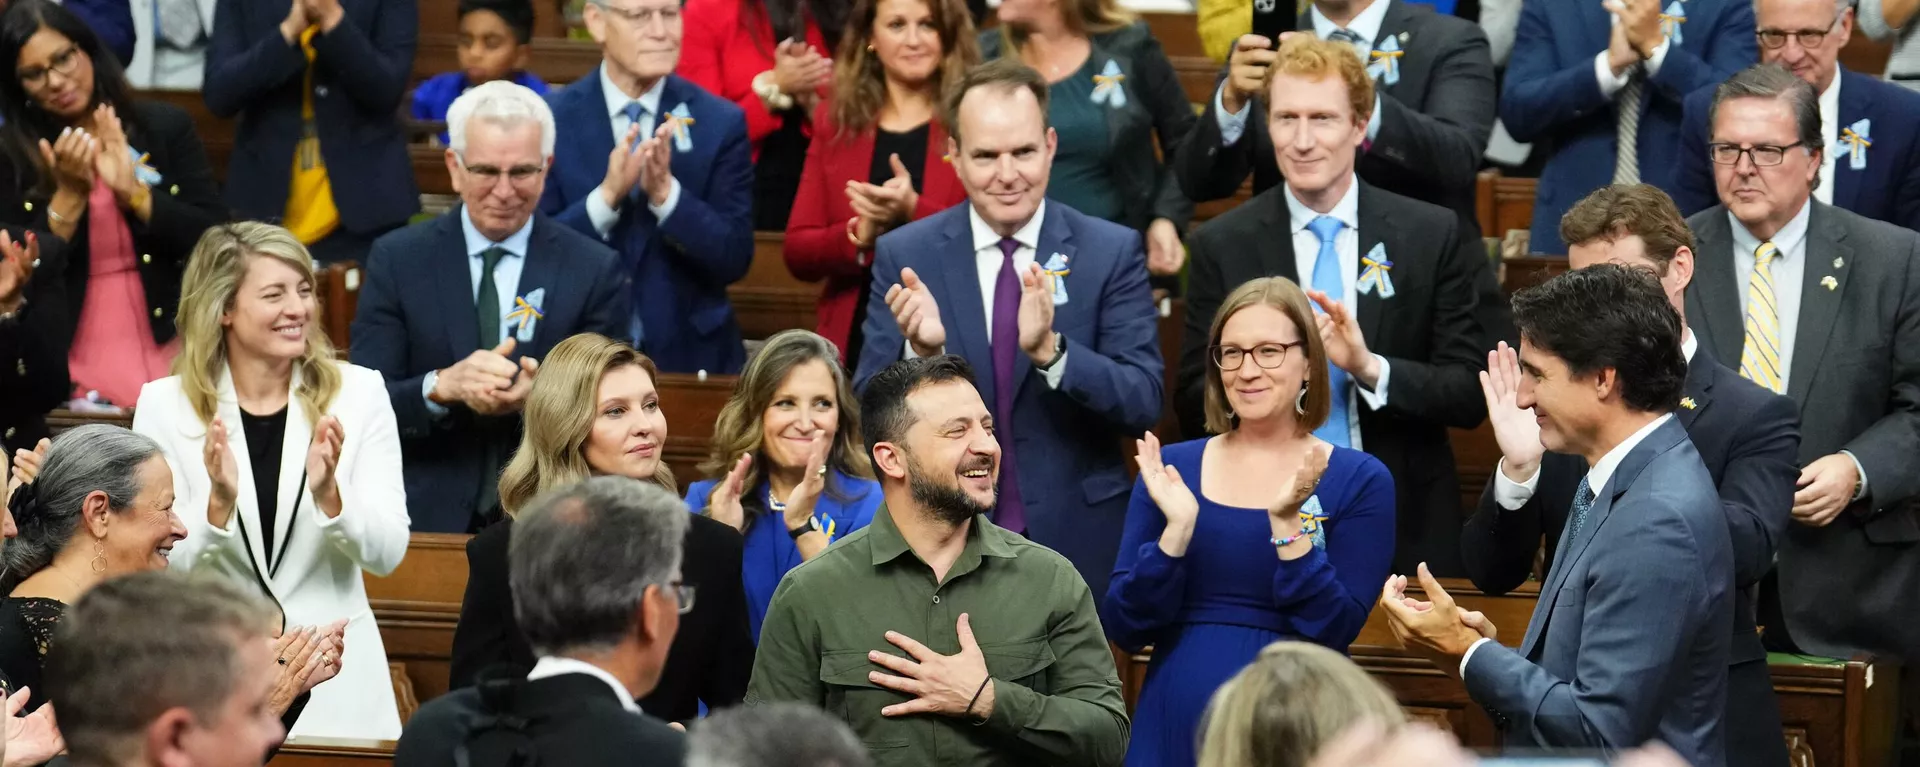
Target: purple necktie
(1006,343)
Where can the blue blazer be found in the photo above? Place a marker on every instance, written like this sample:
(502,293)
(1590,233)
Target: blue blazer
(770,551)
(680,267)
(1551,97)
(1887,189)
(1593,671)
(416,315)
(362,70)
(1072,470)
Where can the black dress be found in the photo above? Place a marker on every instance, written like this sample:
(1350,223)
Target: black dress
(26,628)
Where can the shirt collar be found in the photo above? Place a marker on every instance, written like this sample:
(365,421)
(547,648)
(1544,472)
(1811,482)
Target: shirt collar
(1603,469)
(1831,96)
(1365,26)
(554,665)
(515,244)
(1688,344)
(983,539)
(1347,209)
(617,99)
(1787,240)
(1028,235)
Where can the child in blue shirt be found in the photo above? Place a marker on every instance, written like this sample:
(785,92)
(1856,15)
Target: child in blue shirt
(495,41)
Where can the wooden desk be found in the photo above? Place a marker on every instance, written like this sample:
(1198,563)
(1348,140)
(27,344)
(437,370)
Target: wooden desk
(333,752)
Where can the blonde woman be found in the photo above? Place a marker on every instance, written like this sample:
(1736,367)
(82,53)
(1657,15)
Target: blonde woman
(1293,699)
(1260,533)
(286,462)
(595,410)
(787,468)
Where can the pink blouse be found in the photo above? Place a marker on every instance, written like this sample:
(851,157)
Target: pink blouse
(113,350)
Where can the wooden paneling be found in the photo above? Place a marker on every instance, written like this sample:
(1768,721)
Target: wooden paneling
(333,752)
(769,299)
(417,607)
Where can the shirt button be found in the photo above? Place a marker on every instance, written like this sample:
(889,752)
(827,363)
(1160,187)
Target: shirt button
(320,91)
(10,431)
(156,311)
(936,599)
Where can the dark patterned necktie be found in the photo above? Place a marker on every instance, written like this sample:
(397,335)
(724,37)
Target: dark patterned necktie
(1582,503)
(1012,513)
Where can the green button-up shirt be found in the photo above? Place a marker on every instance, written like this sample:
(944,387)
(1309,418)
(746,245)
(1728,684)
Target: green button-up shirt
(1056,694)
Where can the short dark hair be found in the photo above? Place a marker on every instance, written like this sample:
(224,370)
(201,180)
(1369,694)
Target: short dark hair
(1622,210)
(883,405)
(518,14)
(582,557)
(775,735)
(1002,74)
(1773,81)
(1609,316)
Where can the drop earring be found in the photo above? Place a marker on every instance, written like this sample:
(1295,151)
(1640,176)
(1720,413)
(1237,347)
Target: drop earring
(99,561)
(1300,402)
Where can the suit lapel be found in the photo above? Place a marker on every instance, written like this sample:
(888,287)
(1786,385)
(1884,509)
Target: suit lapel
(455,295)
(1822,288)
(1855,105)
(1274,239)
(1698,389)
(1396,22)
(965,318)
(1716,290)
(539,269)
(1375,229)
(246,499)
(293,465)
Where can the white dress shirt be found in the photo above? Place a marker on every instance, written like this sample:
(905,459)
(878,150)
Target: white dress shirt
(598,212)
(506,285)
(1306,250)
(1611,83)
(1597,482)
(554,665)
(987,259)
(1365,25)
(1788,271)
(1830,134)
(1512,495)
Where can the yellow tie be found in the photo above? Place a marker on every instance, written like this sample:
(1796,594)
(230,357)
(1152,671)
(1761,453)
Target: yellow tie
(1760,359)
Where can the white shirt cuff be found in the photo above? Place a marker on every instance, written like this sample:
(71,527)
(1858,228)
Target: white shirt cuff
(665,209)
(602,215)
(910,354)
(1376,397)
(436,409)
(1659,56)
(1232,124)
(1610,83)
(1861,470)
(1510,494)
(1373,122)
(1053,374)
(1464,659)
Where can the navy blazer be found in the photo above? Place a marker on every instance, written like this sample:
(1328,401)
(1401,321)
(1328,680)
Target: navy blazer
(1887,189)
(416,315)
(681,267)
(362,69)
(1073,473)
(1629,641)
(1550,96)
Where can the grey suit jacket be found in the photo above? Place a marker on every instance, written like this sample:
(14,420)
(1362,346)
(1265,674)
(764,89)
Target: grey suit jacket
(1856,380)
(1630,639)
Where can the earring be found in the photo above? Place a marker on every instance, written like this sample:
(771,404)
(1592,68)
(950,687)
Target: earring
(99,562)
(1300,402)
(869,47)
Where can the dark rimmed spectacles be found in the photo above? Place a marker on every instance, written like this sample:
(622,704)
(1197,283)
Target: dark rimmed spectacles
(1267,356)
(1763,155)
(1809,38)
(63,62)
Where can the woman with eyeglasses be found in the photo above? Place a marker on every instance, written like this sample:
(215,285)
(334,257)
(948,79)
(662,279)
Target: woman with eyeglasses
(1260,533)
(124,183)
(595,410)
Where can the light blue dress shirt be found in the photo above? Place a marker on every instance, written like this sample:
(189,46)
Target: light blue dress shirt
(1365,26)
(506,284)
(598,212)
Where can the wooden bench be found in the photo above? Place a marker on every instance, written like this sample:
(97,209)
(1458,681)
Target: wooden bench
(333,752)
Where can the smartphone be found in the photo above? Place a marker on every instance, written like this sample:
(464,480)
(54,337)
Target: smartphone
(1272,17)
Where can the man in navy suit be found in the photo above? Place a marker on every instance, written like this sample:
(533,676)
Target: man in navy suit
(460,355)
(662,171)
(1053,302)
(1749,438)
(317,85)
(1871,165)
(1629,641)
(1587,79)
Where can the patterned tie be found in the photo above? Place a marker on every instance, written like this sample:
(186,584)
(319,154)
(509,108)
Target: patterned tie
(179,23)
(1327,279)
(1626,163)
(1344,36)
(486,301)
(1006,344)
(1582,503)
(1760,359)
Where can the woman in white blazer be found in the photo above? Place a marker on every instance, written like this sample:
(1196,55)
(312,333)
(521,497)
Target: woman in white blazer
(286,462)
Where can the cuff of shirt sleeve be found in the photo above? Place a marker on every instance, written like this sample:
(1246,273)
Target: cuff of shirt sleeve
(1467,658)
(1232,124)
(1610,83)
(1053,374)
(1011,704)
(665,209)
(910,354)
(1376,397)
(1510,494)
(600,214)
(1659,56)
(1373,122)
(1861,470)
(432,377)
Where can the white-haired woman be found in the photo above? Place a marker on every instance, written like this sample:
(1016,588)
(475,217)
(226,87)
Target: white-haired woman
(286,462)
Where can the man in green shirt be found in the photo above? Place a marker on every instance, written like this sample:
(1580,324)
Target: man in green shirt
(940,638)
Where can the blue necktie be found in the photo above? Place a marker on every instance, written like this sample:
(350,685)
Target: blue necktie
(1582,503)
(1327,279)
(634,111)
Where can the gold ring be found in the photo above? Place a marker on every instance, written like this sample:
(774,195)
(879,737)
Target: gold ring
(822,472)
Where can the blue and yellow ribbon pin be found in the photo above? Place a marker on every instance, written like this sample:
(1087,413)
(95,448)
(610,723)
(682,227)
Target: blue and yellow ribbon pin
(527,314)
(1056,268)
(1106,86)
(682,123)
(1853,143)
(1670,21)
(1313,521)
(1384,61)
(1376,272)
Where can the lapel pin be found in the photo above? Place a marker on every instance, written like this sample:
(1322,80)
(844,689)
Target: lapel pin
(1376,272)
(1403,37)
(1106,86)
(1057,271)
(1688,403)
(1839,262)
(1830,282)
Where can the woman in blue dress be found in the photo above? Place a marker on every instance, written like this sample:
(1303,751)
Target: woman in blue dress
(1283,536)
(795,475)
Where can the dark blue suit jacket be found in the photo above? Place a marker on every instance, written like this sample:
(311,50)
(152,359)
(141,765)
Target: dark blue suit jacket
(111,21)
(416,315)
(1551,98)
(680,267)
(1887,189)
(1072,470)
(362,70)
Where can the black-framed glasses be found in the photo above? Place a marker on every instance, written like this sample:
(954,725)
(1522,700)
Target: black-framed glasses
(491,174)
(1809,38)
(62,62)
(683,593)
(643,17)
(1763,155)
(1267,356)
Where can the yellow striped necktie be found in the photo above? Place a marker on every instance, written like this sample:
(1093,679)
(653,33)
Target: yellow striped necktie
(1760,359)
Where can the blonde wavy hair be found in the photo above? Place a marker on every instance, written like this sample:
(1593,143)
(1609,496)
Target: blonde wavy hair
(1085,17)
(559,417)
(215,270)
(1293,699)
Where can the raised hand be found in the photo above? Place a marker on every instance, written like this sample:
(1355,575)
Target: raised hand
(1247,71)
(656,164)
(224,473)
(295,22)
(724,506)
(1620,51)
(323,457)
(804,496)
(917,314)
(1639,23)
(326,13)
(1514,429)
(114,161)
(1346,345)
(1283,515)
(623,169)
(945,685)
(26,465)
(333,647)
(1036,315)
(17,262)
(297,657)
(34,738)
(799,70)
(71,156)
(1434,628)
(1165,253)
(1169,493)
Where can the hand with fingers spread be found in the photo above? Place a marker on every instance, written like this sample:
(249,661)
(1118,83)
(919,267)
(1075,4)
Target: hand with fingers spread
(1435,628)
(18,259)
(1283,515)
(71,155)
(1036,315)
(623,169)
(224,473)
(724,506)
(1165,253)
(917,313)
(656,164)
(945,685)
(114,162)
(1247,71)
(27,463)
(323,457)
(1346,346)
(1514,428)
(31,739)
(1170,494)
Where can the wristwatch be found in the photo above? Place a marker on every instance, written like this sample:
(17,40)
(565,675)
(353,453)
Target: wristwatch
(1059,350)
(812,526)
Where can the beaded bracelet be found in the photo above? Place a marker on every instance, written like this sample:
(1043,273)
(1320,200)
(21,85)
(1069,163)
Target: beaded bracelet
(1282,542)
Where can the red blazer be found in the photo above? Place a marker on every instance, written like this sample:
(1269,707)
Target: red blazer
(722,56)
(817,247)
